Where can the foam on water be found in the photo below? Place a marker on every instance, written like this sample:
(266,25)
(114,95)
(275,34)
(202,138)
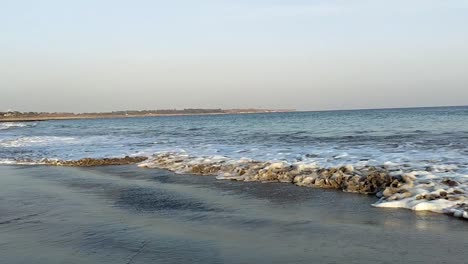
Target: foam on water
(426,191)
(399,187)
(35,141)
(21,162)
(11,125)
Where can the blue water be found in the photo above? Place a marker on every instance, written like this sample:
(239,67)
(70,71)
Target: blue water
(419,138)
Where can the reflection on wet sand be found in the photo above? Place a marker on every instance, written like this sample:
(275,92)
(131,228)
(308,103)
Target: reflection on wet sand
(124,214)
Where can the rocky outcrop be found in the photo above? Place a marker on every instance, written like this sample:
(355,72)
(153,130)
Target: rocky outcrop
(90,162)
(367,180)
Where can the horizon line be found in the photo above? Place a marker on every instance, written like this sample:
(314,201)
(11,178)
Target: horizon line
(243,109)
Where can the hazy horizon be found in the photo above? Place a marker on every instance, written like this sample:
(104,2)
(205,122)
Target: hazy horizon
(96,56)
(278,109)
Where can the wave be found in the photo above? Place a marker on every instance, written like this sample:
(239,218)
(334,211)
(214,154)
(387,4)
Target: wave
(21,162)
(439,189)
(424,191)
(35,141)
(11,125)
(396,186)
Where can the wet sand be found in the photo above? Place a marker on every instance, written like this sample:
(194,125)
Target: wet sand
(123,214)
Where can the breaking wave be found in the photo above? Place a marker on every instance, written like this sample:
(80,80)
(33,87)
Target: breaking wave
(11,125)
(440,190)
(35,141)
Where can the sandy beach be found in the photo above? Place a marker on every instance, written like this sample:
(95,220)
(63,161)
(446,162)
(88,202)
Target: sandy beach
(122,214)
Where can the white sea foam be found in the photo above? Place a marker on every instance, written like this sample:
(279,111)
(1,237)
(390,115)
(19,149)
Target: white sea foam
(426,191)
(35,141)
(21,162)
(10,125)
(8,161)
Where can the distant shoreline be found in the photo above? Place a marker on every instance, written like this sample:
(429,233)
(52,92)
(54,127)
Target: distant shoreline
(52,116)
(26,117)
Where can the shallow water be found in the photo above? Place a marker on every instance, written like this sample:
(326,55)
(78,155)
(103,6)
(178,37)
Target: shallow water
(420,138)
(430,144)
(123,214)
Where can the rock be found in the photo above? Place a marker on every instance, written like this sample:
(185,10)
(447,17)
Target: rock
(91,162)
(408,178)
(352,184)
(389,191)
(320,183)
(449,182)
(205,169)
(362,179)
(309,181)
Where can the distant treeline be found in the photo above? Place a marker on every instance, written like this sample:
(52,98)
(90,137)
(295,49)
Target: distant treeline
(130,112)
(34,116)
(168,111)
(31,114)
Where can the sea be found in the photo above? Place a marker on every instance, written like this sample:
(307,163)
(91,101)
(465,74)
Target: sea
(429,144)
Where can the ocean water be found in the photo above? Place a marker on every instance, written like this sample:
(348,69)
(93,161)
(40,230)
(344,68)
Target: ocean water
(430,143)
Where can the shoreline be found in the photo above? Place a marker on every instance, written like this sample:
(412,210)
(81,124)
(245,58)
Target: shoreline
(111,116)
(393,188)
(104,115)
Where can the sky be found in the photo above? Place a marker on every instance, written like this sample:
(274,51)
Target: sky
(105,55)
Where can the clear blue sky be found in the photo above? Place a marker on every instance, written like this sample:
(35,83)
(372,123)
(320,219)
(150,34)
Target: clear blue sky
(111,55)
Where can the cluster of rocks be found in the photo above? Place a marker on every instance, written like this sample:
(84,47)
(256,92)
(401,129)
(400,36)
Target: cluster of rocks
(423,189)
(367,180)
(453,195)
(90,162)
(418,190)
